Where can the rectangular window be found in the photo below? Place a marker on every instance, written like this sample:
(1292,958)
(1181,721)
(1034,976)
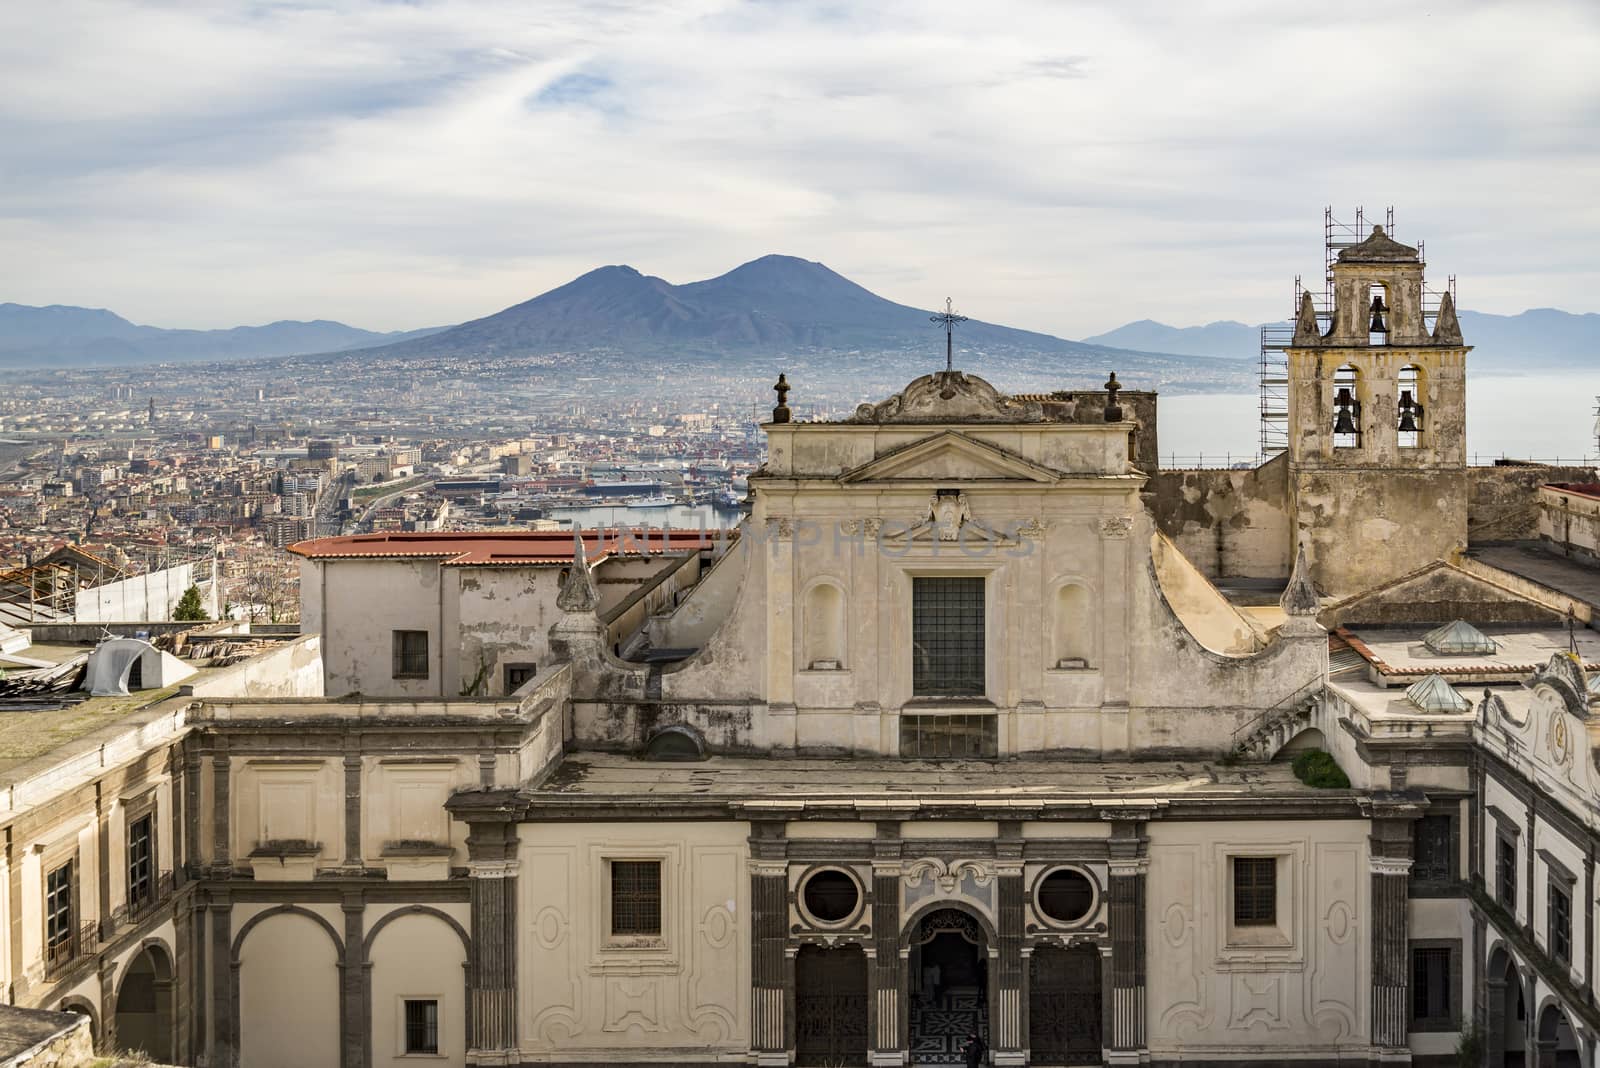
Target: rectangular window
(410,654)
(1255,891)
(422,1026)
(1560,922)
(1505,872)
(518,674)
(636,897)
(1431,839)
(947,632)
(1434,970)
(60,943)
(141,863)
(953,737)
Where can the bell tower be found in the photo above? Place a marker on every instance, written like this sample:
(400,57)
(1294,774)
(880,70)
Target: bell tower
(1377,420)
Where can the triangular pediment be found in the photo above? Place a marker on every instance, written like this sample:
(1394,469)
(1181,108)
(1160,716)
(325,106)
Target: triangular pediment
(949,456)
(1439,592)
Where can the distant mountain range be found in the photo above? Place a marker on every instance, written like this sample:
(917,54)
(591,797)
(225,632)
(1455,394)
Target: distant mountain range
(1538,339)
(776,305)
(60,335)
(773,304)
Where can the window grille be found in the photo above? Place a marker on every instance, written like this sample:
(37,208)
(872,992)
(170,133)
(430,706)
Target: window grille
(636,897)
(947,637)
(1560,924)
(1431,1001)
(1432,844)
(141,863)
(422,1026)
(1255,891)
(960,736)
(411,654)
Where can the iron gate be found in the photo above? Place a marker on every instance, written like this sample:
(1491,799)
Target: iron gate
(830,1006)
(1064,1006)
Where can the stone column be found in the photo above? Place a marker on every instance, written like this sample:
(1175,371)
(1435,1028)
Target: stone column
(887,978)
(220,860)
(1494,1018)
(355,1031)
(1129,864)
(771,969)
(1008,1036)
(352,807)
(224,1028)
(492,816)
(1392,816)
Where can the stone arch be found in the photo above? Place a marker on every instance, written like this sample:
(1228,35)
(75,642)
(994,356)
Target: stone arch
(1554,1034)
(1298,741)
(824,623)
(1072,627)
(368,997)
(145,1018)
(279,910)
(1347,391)
(83,1007)
(1504,1030)
(302,1032)
(913,922)
(1412,379)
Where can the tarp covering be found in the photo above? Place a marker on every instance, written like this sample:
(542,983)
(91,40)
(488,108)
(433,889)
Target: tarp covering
(111,666)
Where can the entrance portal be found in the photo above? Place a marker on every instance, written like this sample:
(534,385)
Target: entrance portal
(949,975)
(1064,1005)
(830,1006)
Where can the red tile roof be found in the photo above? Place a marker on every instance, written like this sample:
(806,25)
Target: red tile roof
(494,548)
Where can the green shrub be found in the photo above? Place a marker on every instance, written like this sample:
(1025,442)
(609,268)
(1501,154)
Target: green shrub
(189,607)
(1316,768)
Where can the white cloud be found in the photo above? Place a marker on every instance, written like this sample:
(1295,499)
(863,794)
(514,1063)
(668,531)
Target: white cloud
(1063,166)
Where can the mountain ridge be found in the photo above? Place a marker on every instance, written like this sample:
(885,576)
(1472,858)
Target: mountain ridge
(63,334)
(1535,339)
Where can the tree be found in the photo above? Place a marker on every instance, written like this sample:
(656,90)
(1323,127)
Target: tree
(189,608)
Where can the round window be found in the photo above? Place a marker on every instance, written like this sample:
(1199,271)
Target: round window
(1066,896)
(831,896)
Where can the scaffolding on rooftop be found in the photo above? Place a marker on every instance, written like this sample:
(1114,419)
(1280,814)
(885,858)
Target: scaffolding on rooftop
(1276,338)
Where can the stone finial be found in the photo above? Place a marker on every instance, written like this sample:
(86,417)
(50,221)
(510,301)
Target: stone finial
(1307,331)
(1446,328)
(780,414)
(1113,409)
(1300,596)
(578,593)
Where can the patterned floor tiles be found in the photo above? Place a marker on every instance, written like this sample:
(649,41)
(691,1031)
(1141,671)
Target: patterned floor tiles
(940,1029)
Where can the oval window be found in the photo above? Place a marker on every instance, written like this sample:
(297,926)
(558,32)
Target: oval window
(1066,896)
(831,896)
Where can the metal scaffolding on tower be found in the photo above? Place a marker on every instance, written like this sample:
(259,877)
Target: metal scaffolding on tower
(1276,338)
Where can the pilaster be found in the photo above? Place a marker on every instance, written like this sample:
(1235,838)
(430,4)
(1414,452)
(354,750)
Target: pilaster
(1129,867)
(771,969)
(492,817)
(887,1011)
(220,858)
(354,1031)
(1008,1036)
(1390,864)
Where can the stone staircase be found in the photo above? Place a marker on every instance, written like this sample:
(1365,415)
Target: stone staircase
(1263,737)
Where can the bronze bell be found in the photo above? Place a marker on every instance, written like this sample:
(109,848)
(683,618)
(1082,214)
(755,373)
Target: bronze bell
(1344,419)
(1378,326)
(1409,411)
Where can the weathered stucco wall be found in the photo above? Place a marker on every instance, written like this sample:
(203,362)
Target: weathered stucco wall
(1217,992)
(1229,523)
(1569,518)
(1504,500)
(292,670)
(1365,527)
(586,995)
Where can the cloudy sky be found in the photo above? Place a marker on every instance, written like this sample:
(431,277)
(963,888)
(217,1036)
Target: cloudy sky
(1061,165)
